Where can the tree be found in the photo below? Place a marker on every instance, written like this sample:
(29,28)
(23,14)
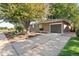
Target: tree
(64,11)
(22,13)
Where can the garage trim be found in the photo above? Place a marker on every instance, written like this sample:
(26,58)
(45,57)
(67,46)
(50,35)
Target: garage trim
(55,24)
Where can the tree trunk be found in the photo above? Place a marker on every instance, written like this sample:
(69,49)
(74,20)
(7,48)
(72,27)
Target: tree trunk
(26,24)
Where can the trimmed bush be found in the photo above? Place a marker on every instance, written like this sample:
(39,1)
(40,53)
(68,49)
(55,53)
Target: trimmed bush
(77,33)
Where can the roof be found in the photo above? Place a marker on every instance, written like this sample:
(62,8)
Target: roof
(56,21)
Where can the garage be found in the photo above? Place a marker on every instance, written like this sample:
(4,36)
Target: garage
(56,28)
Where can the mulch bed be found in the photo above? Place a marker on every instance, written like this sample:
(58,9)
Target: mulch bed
(21,37)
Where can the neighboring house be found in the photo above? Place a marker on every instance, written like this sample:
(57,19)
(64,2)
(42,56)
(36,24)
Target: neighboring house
(53,26)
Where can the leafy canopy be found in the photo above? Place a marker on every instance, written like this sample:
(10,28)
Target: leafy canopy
(63,11)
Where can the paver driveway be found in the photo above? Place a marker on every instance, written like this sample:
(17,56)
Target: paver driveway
(5,47)
(42,45)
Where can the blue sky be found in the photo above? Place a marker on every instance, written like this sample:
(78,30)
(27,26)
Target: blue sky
(4,24)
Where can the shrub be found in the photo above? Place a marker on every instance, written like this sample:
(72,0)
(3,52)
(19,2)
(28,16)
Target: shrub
(77,32)
(19,28)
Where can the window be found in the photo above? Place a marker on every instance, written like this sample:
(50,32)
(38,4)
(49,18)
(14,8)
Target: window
(41,27)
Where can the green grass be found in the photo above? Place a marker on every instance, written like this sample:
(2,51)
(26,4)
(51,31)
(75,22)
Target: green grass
(71,48)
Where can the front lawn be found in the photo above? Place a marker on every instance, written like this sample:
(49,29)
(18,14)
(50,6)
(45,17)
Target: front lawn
(71,48)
